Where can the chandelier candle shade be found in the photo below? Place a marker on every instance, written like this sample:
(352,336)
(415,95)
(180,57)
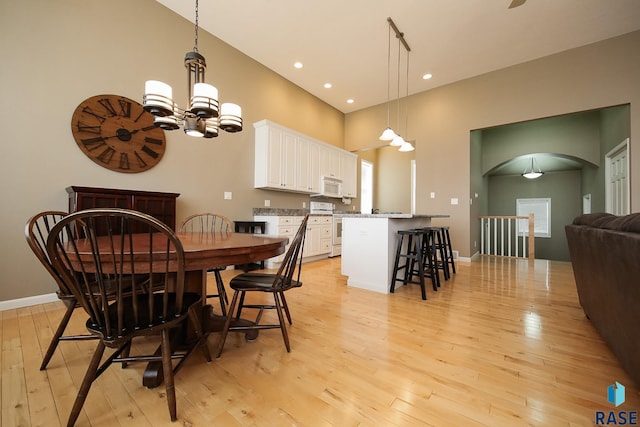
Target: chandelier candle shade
(204,115)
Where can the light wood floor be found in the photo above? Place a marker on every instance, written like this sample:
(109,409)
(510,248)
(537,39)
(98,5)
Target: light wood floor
(504,343)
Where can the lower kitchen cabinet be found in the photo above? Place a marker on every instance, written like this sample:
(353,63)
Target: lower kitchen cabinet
(317,241)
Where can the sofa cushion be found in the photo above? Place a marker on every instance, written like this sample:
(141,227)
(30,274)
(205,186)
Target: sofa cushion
(629,223)
(594,219)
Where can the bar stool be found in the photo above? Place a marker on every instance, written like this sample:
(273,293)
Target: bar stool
(413,260)
(429,255)
(447,248)
(254,227)
(440,251)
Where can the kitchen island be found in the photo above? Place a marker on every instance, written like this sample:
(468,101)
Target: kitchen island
(369,246)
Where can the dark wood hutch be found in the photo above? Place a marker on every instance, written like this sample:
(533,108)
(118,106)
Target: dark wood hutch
(161,206)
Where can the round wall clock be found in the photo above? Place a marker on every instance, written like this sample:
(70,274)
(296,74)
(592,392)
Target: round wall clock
(117,133)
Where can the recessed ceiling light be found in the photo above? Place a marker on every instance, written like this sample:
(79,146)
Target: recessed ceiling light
(298,65)
(427,76)
(350,101)
(327,85)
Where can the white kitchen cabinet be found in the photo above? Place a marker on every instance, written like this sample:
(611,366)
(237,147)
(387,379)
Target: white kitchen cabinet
(308,163)
(287,160)
(317,240)
(349,174)
(275,158)
(330,161)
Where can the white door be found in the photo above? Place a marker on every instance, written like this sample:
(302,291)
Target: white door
(617,179)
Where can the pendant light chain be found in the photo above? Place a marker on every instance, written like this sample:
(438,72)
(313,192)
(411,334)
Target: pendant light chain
(406,104)
(398,103)
(389,77)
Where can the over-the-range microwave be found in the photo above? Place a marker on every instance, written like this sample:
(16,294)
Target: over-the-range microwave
(330,187)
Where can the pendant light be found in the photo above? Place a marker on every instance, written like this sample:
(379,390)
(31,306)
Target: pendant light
(531,172)
(388,134)
(398,140)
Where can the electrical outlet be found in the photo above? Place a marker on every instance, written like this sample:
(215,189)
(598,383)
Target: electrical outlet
(304,205)
(267,203)
(228,195)
(433,194)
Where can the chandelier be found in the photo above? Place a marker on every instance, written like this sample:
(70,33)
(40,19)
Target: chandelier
(389,134)
(531,172)
(204,116)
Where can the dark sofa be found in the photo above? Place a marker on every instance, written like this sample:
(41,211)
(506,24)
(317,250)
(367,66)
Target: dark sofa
(605,254)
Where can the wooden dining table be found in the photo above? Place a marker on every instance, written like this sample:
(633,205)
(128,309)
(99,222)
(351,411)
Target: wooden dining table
(204,251)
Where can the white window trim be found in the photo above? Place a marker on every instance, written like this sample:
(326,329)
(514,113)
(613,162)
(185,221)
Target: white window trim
(541,209)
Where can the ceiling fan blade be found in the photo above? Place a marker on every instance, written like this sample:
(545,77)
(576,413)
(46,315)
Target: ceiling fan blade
(516,3)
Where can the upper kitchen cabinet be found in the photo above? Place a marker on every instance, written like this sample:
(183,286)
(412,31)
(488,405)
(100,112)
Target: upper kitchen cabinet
(275,158)
(308,169)
(287,160)
(330,162)
(349,174)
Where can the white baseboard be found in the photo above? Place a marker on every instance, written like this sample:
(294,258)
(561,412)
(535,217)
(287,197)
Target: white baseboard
(28,301)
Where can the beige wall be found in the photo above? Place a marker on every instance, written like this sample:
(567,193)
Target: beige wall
(590,77)
(55,54)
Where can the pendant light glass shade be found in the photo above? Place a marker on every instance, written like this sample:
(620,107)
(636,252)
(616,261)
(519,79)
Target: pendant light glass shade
(531,172)
(407,146)
(397,141)
(388,135)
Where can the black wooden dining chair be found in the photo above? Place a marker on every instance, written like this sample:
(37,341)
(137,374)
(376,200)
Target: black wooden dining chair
(212,223)
(36,232)
(287,277)
(95,266)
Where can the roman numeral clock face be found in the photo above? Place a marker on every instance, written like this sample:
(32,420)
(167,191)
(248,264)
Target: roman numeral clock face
(117,133)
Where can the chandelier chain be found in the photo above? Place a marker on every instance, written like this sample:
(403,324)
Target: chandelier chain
(195,46)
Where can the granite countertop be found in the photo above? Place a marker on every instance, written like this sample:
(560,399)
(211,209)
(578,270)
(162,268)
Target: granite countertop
(391,215)
(283,212)
(340,214)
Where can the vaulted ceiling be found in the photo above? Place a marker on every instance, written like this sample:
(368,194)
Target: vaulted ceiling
(346,42)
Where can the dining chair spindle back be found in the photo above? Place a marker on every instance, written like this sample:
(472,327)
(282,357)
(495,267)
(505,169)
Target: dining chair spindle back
(95,266)
(287,277)
(36,232)
(211,223)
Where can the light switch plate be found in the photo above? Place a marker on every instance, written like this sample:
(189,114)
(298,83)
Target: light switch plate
(454,201)
(267,203)
(228,195)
